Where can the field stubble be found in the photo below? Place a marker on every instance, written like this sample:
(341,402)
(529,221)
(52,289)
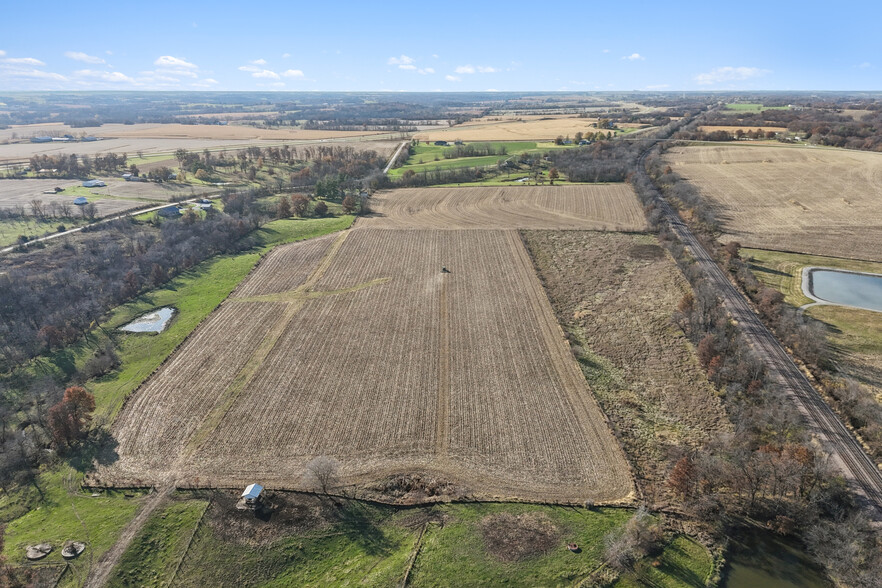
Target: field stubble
(584,206)
(379,360)
(807,200)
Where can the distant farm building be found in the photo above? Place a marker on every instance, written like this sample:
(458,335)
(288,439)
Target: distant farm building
(169,212)
(80,200)
(93,184)
(90,138)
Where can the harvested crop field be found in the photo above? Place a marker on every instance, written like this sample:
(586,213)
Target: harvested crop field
(367,353)
(533,129)
(807,200)
(20,193)
(153,139)
(615,294)
(602,207)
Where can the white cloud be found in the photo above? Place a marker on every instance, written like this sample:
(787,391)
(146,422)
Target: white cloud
(606,50)
(2,52)
(403,60)
(729,74)
(634,57)
(407,66)
(865,65)
(450,78)
(169,61)
(106,76)
(248,68)
(286,55)
(259,62)
(210,81)
(23,61)
(470,69)
(33,73)
(293,73)
(428,70)
(84,57)
(435,55)
(266,74)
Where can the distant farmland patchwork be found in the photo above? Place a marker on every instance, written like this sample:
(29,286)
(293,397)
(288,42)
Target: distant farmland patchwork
(808,200)
(363,350)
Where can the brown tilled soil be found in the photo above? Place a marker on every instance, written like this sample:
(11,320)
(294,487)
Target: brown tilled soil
(615,294)
(366,352)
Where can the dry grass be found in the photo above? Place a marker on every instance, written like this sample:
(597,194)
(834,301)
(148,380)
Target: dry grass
(615,295)
(529,128)
(808,200)
(602,207)
(385,364)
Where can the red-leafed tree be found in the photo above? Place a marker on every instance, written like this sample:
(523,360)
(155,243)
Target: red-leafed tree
(70,418)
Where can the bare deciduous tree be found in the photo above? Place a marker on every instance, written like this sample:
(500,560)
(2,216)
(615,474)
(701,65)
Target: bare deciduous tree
(322,472)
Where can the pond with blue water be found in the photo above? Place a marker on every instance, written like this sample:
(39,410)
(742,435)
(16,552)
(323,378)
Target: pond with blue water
(845,288)
(153,322)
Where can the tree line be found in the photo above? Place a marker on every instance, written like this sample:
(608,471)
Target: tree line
(768,469)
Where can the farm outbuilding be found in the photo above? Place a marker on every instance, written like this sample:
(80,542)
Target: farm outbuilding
(251,495)
(169,212)
(93,184)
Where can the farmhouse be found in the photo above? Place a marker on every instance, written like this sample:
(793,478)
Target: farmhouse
(41,139)
(169,212)
(93,184)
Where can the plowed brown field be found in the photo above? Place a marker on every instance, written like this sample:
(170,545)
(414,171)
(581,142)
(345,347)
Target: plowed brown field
(604,207)
(358,347)
(808,200)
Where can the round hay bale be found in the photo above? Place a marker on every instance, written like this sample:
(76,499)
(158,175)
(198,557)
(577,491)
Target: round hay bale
(73,549)
(35,552)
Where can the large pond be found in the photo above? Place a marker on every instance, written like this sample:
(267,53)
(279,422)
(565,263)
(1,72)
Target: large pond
(152,322)
(762,559)
(846,288)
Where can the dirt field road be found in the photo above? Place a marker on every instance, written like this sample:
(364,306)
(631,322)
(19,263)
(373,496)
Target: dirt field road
(846,453)
(100,572)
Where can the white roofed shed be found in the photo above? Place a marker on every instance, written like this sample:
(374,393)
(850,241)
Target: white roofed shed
(252,491)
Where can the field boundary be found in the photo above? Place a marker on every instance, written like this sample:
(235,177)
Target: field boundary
(196,528)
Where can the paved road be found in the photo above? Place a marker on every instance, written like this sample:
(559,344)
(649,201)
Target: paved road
(394,156)
(846,453)
(129,213)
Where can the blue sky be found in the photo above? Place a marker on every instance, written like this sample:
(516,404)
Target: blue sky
(450,46)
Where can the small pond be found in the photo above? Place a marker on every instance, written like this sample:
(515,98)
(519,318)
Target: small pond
(842,287)
(761,559)
(152,322)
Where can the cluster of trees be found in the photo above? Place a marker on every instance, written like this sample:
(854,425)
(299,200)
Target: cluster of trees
(768,469)
(602,161)
(822,124)
(72,165)
(723,135)
(50,301)
(475,150)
